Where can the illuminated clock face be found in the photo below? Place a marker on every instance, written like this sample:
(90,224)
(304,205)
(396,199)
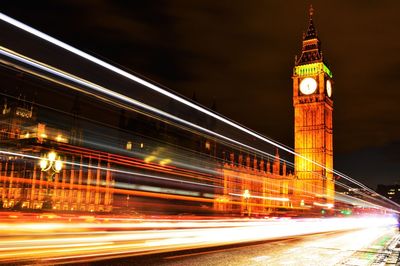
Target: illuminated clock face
(308,86)
(329,88)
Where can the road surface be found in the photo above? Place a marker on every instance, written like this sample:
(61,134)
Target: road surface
(355,247)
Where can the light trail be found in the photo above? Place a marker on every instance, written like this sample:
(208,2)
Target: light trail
(328,205)
(95,241)
(110,169)
(130,189)
(350,200)
(158,89)
(261,197)
(162,91)
(124,188)
(99,88)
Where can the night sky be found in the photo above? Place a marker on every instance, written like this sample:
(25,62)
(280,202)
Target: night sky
(241,54)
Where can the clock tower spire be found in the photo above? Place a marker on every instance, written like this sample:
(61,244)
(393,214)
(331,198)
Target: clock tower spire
(311,49)
(313,106)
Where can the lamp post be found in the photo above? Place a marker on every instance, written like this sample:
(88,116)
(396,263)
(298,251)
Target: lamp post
(246,196)
(51,164)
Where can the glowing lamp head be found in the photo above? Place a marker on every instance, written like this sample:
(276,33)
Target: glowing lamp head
(52,156)
(43,163)
(59,138)
(308,86)
(58,166)
(246,194)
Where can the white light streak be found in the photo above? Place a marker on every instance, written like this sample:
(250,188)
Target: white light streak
(94,239)
(261,197)
(328,205)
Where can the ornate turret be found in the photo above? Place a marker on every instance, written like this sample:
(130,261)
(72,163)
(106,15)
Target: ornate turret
(16,115)
(311,51)
(311,31)
(248,161)
(276,164)
(255,161)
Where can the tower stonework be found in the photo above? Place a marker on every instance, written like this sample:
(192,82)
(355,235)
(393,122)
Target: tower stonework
(313,106)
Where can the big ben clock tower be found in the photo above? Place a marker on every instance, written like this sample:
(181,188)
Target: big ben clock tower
(313,106)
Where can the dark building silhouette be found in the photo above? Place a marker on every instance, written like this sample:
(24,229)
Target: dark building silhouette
(391,192)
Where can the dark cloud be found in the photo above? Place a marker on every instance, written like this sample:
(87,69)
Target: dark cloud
(241,53)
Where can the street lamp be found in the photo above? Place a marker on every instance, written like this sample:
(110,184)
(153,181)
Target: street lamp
(246,196)
(52,165)
(49,162)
